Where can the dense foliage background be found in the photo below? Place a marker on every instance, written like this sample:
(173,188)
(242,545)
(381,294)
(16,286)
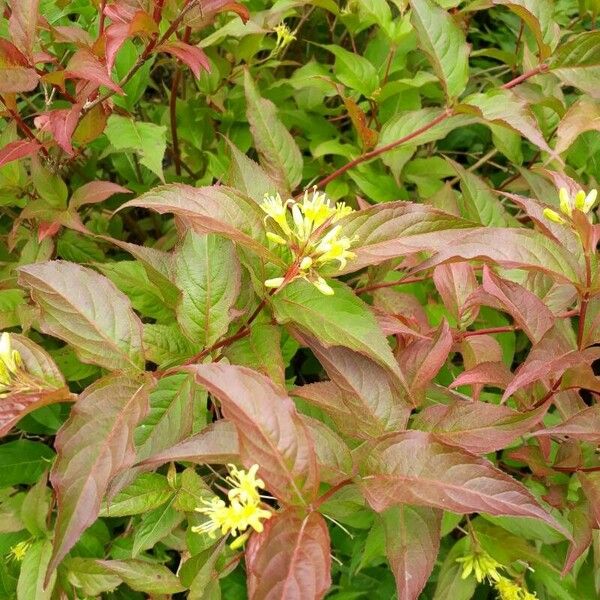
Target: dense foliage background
(440,408)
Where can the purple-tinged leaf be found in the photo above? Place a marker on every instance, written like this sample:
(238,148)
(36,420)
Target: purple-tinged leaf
(86,310)
(366,401)
(85,65)
(395,229)
(18,149)
(216,444)
(94,445)
(584,425)
(513,248)
(412,536)
(414,468)
(333,455)
(22,24)
(270,430)
(216,209)
(455,282)
(491,373)
(531,314)
(193,56)
(94,192)
(547,359)
(476,426)
(422,359)
(290,559)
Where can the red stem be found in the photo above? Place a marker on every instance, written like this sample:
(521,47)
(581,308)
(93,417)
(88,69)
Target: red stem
(383,149)
(542,68)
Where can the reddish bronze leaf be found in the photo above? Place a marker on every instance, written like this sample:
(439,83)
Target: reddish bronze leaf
(412,540)
(18,149)
(85,65)
(290,559)
(16,75)
(370,395)
(94,445)
(413,468)
(532,315)
(584,425)
(217,443)
(270,431)
(476,426)
(193,56)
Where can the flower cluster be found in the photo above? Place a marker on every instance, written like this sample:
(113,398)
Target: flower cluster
(568,204)
(243,510)
(11,365)
(18,551)
(486,568)
(284,37)
(311,235)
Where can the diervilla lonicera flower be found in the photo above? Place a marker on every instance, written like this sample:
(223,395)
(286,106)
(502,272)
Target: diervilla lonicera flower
(11,367)
(243,510)
(568,204)
(485,568)
(311,234)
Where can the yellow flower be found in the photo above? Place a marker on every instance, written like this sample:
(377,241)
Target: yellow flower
(284,37)
(18,551)
(482,565)
(553,216)
(243,511)
(276,208)
(510,590)
(311,236)
(332,248)
(245,484)
(10,364)
(580,201)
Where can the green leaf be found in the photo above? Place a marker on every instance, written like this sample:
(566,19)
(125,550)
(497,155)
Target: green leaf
(247,176)
(577,62)
(444,42)
(23,462)
(479,203)
(141,576)
(48,185)
(154,526)
(261,351)
(85,309)
(339,320)
(539,17)
(177,409)
(132,279)
(78,248)
(147,492)
(166,346)
(277,149)
(582,116)
(406,123)
(504,107)
(35,508)
(355,71)
(95,444)
(33,569)
(146,139)
(90,577)
(207,272)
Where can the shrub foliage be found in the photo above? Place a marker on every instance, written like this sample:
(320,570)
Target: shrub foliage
(299,299)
